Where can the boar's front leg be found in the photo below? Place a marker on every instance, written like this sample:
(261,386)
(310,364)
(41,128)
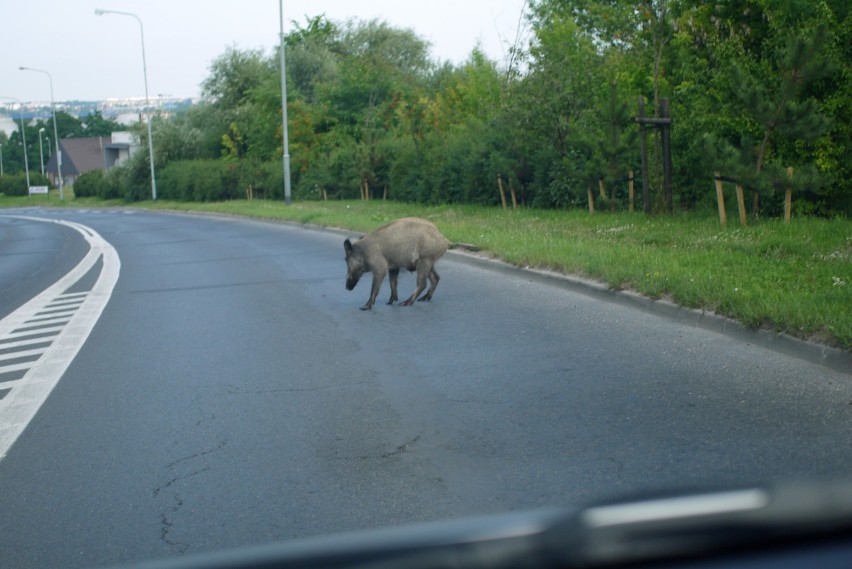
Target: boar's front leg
(393,277)
(378,277)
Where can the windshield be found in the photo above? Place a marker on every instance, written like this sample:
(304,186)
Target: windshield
(460,303)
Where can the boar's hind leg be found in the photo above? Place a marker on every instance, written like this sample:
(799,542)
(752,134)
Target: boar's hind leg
(424,271)
(393,276)
(434,278)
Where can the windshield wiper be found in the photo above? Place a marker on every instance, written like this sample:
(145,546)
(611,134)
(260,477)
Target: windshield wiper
(708,525)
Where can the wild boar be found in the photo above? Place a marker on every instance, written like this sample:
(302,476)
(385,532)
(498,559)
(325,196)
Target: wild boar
(408,243)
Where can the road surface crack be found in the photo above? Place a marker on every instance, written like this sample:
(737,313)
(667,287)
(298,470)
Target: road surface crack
(170,511)
(236,390)
(178,479)
(166,526)
(219,447)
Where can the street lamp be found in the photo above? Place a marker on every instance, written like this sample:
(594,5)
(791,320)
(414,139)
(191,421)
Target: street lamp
(41,150)
(24,138)
(100,12)
(284,106)
(55,131)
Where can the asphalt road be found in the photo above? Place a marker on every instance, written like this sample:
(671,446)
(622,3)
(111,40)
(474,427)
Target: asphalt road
(232,393)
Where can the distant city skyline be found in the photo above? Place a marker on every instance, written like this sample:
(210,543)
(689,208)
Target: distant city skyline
(125,111)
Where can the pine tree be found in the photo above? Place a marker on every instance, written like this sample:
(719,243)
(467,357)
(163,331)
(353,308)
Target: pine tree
(616,139)
(779,107)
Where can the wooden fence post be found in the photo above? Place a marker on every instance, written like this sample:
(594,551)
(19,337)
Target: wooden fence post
(591,200)
(500,187)
(602,188)
(720,199)
(741,204)
(788,198)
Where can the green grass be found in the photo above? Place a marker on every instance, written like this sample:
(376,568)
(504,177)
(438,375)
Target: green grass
(794,278)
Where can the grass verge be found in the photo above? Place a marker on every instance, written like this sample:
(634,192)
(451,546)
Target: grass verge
(794,278)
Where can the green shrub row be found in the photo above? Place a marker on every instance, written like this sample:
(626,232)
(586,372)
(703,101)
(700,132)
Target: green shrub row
(16,184)
(186,180)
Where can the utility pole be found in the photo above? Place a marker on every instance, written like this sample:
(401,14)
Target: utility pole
(284,106)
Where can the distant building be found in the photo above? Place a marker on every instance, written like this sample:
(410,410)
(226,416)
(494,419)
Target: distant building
(81,155)
(122,145)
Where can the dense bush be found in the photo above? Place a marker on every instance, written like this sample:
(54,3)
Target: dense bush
(13,184)
(199,180)
(16,184)
(91,184)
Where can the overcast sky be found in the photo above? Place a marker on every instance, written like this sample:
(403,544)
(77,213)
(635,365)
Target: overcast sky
(97,57)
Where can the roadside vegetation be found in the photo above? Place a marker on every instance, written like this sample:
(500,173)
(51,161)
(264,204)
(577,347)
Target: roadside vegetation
(793,278)
(753,88)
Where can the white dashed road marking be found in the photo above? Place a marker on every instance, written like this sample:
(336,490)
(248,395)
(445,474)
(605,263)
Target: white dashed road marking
(39,340)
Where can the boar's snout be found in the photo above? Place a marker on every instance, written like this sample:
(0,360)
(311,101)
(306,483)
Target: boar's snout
(351,281)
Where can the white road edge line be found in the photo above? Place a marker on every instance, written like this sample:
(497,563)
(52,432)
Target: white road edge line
(20,405)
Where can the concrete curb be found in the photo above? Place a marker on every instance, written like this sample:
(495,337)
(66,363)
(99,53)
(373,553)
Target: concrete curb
(832,358)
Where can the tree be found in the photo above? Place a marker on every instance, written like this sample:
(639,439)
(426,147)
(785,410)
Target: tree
(553,108)
(778,108)
(233,77)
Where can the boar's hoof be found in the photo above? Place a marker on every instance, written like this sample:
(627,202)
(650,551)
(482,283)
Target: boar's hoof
(367,306)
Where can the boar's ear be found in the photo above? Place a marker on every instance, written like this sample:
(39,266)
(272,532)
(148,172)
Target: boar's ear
(347,245)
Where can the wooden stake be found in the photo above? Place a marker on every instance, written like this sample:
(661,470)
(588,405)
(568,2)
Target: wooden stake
(601,188)
(741,204)
(500,187)
(514,197)
(720,199)
(788,198)
(385,195)
(591,201)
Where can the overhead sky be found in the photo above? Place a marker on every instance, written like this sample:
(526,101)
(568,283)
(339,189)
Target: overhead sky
(94,57)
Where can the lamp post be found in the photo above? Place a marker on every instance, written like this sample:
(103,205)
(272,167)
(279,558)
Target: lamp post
(41,150)
(100,12)
(55,131)
(24,139)
(284,107)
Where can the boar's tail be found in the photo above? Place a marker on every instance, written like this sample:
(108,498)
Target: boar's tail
(465,246)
